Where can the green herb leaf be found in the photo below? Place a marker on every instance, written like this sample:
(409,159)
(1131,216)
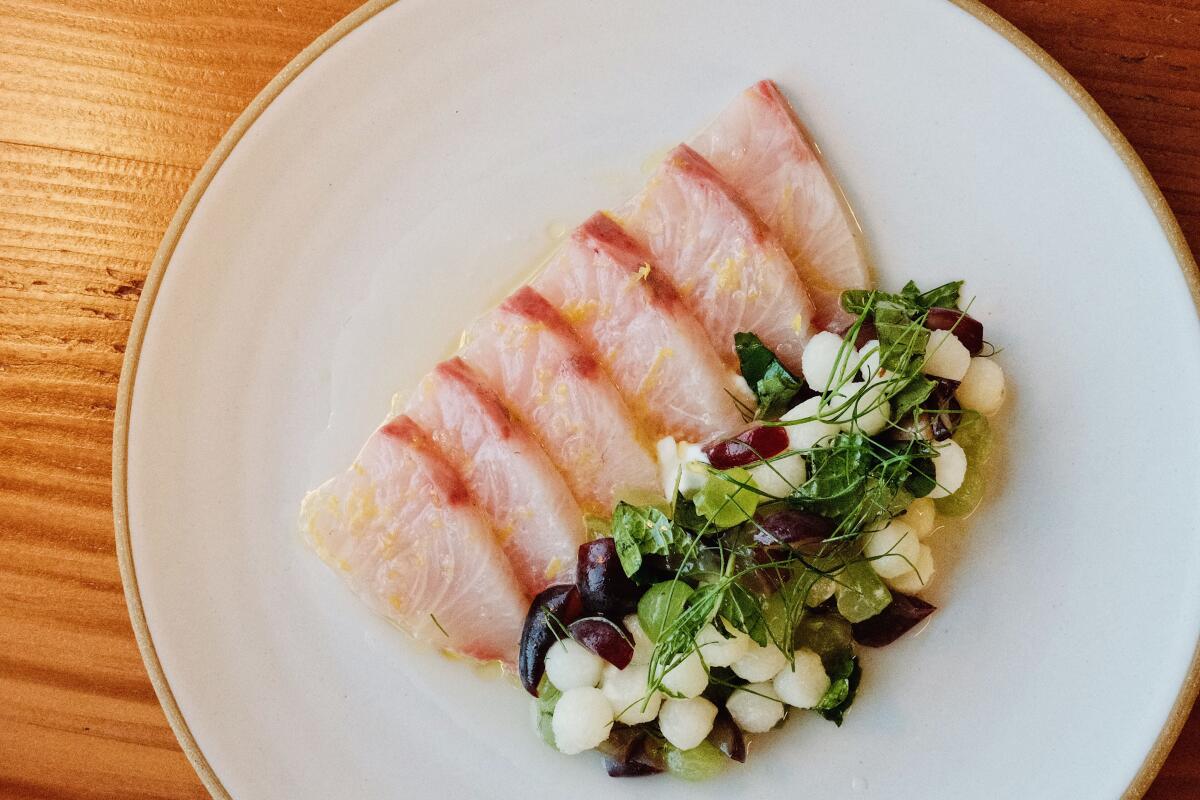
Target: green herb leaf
(640,529)
(902,339)
(836,476)
(727,498)
(547,699)
(944,296)
(912,394)
(844,680)
(772,383)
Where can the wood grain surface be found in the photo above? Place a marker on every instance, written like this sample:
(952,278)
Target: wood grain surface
(107,110)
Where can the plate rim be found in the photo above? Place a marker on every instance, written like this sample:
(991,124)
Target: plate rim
(1184,701)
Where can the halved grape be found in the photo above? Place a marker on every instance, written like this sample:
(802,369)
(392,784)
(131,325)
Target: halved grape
(604,638)
(550,612)
(661,605)
(966,328)
(702,762)
(628,753)
(755,444)
(793,527)
(896,620)
(727,737)
(603,585)
(860,593)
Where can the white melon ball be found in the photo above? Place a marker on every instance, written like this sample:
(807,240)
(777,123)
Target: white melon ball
(949,469)
(813,431)
(626,693)
(869,356)
(643,645)
(820,358)
(582,719)
(946,356)
(759,663)
(893,549)
(921,515)
(570,665)
(718,651)
(861,408)
(915,580)
(686,723)
(755,707)
(688,677)
(982,388)
(780,476)
(803,683)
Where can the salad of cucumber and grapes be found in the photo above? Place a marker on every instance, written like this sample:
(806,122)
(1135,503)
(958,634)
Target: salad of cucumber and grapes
(742,604)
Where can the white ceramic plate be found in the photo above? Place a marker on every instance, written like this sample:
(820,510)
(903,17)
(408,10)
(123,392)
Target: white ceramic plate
(407,178)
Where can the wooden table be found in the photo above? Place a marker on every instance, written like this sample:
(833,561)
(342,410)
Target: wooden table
(107,109)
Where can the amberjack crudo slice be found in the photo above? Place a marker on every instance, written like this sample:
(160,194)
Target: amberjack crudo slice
(732,272)
(533,513)
(532,358)
(400,526)
(629,314)
(761,148)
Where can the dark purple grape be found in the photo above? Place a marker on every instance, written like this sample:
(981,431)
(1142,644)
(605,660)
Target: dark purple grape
(631,753)
(968,329)
(897,619)
(747,447)
(792,527)
(603,585)
(553,607)
(727,737)
(604,638)
(943,423)
(866,331)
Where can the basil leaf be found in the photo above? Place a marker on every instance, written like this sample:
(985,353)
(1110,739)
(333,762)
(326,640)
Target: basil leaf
(640,529)
(844,680)
(773,385)
(944,296)
(901,340)
(837,475)
(912,395)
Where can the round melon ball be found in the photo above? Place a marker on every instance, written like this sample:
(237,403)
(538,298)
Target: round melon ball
(570,665)
(755,707)
(820,358)
(803,683)
(813,431)
(718,651)
(686,723)
(626,693)
(921,515)
(982,388)
(869,356)
(688,678)
(893,549)
(759,663)
(915,580)
(861,408)
(582,719)
(643,646)
(946,356)
(949,469)
(780,476)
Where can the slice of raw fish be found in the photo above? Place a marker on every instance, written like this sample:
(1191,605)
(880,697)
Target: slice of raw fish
(729,267)
(761,148)
(533,513)
(656,352)
(529,355)
(400,526)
